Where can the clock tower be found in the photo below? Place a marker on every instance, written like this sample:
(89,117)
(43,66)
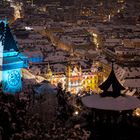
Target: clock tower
(11,61)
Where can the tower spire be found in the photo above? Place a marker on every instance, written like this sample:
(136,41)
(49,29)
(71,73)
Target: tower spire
(32,3)
(49,72)
(112,61)
(48,66)
(111,82)
(80,70)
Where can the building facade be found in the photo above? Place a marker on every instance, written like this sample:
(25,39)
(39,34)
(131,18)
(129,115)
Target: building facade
(74,79)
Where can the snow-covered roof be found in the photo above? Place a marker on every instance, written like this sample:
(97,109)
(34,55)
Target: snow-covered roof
(132,83)
(120,103)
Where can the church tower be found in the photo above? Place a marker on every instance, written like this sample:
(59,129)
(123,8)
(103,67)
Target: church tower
(68,78)
(49,73)
(11,61)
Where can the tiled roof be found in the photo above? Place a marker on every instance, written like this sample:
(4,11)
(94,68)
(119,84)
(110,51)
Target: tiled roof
(7,37)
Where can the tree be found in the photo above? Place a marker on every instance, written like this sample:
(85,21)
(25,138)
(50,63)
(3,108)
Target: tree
(64,108)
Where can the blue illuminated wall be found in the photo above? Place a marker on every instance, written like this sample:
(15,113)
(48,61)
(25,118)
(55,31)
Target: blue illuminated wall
(36,59)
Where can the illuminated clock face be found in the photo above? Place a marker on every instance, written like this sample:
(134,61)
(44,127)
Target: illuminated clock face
(14,78)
